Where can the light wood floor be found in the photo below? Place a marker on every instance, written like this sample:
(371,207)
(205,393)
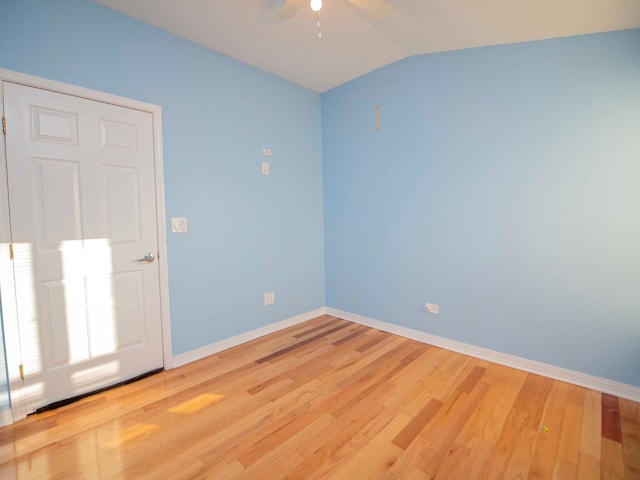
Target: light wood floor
(332,399)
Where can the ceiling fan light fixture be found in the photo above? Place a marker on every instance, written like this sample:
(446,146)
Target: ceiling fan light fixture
(315,5)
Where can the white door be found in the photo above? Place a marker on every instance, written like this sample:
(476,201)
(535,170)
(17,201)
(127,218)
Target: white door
(83,212)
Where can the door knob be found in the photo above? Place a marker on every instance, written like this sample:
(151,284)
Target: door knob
(149,257)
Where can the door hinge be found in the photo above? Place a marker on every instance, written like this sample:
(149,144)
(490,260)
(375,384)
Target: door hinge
(4,125)
(11,251)
(21,371)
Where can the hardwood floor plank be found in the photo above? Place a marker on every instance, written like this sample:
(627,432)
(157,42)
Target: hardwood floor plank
(519,465)
(451,464)
(569,445)
(307,367)
(375,387)
(612,466)
(412,384)
(369,368)
(329,398)
(219,469)
(363,464)
(611,418)
(590,437)
(356,333)
(472,379)
(480,434)
(373,341)
(302,343)
(329,321)
(551,429)
(322,449)
(503,449)
(281,456)
(417,424)
(417,474)
(437,433)
(533,397)
(456,419)
(441,382)
(630,429)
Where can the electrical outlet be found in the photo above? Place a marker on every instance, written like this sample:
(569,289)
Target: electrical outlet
(432,308)
(269,298)
(265,168)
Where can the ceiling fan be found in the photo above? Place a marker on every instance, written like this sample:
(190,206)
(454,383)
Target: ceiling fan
(379,9)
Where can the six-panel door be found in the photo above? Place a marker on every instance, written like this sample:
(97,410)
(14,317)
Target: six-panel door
(82,205)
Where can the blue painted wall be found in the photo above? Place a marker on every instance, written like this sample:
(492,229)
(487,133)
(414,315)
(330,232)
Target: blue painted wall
(248,234)
(504,185)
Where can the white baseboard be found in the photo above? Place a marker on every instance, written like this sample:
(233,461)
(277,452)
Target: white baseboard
(618,389)
(6,418)
(611,387)
(193,355)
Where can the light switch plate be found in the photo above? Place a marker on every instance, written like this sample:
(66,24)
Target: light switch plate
(179,224)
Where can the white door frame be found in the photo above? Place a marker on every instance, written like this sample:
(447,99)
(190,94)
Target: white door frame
(7,285)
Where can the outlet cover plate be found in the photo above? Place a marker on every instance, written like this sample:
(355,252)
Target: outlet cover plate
(432,308)
(269,298)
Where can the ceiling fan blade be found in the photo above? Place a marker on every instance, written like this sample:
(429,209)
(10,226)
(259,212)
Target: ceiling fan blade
(289,8)
(376,8)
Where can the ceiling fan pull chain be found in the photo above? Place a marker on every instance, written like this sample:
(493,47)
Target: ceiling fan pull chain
(319,31)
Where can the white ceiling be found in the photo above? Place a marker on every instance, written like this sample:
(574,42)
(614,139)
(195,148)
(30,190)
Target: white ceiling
(354,43)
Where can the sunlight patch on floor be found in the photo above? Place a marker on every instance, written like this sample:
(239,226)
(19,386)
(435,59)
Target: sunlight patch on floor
(197,404)
(133,432)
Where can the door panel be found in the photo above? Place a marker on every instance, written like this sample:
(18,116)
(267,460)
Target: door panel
(129,286)
(82,204)
(53,126)
(123,204)
(58,195)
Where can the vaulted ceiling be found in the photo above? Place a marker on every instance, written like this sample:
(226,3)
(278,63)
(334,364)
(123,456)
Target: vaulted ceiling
(354,42)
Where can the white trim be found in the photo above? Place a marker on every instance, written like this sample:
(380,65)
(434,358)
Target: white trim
(161,224)
(69,89)
(5,417)
(7,287)
(9,315)
(193,355)
(618,389)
